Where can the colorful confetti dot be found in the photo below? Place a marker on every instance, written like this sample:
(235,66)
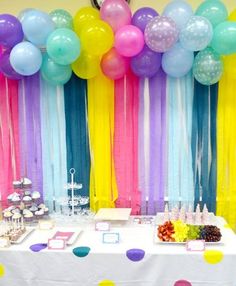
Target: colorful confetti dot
(38,247)
(213,256)
(135,254)
(81,251)
(182,283)
(2,270)
(106,283)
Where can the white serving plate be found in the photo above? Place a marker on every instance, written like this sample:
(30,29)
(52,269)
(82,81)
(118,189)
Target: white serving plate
(113,214)
(28,231)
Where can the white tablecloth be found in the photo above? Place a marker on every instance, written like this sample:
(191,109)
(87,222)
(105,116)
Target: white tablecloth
(162,265)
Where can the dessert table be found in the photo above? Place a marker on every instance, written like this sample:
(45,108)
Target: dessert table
(136,260)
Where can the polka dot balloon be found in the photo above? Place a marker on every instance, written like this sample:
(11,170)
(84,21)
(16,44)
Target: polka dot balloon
(161,33)
(197,34)
(213,256)
(207,67)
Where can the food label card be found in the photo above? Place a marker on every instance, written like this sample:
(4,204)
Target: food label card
(111,237)
(56,244)
(195,245)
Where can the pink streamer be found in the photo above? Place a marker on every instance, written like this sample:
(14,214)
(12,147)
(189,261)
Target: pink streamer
(126,142)
(9,136)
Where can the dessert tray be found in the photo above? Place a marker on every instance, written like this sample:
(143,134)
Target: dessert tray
(28,231)
(67,233)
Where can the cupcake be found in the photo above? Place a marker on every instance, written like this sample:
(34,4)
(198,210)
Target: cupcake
(16,184)
(14,197)
(27,193)
(26,183)
(39,214)
(28,216)
(36,196)
(46,211)
(34,208)
(7,215)
(16,216)
(27,200)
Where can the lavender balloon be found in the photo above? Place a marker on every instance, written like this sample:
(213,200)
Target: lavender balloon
(161,33)
(11,32)
(6,68)
(143,16)
(147,63)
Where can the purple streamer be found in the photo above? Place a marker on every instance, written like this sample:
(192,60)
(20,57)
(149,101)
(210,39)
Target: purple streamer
(30,131)
(157,90)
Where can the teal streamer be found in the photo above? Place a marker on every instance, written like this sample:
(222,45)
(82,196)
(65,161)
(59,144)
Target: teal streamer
(204,144)
(77,139)
(53,143)
(213,167)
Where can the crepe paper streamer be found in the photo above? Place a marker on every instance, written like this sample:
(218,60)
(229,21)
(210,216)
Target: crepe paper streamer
(53,135)
(30,131)
(9,135)
(77,139)
(81,251)
(103,189)
(106,283)
(126,142)
(211,200)
(174,137)
(143,143)
(38,247)
(2,270)
(157,168)
(226,148)
(182,283)
(186,173)
(213,256)
(135,254)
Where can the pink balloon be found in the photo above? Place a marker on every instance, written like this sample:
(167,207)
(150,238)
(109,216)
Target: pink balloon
(114,65)
(116,13)
(129,41)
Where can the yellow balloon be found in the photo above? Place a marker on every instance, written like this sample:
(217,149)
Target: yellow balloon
(96,37)
(84,15)
(230,65)
(232,16)
(86,66)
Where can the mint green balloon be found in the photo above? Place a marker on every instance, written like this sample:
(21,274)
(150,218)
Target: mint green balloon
(55,73)
(207,67)
(62,19)
(224,38)
(63,46)
(214,10)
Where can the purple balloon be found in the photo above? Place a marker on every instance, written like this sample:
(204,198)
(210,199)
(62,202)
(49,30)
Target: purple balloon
(6,68)
(143,16)
(11,32)
(161,34)
(147,63)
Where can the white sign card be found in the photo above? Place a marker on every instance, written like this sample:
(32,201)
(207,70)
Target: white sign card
(102,226)
(111,237)
(56,244)
(195,245)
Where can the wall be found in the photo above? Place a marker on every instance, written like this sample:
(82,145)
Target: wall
(15,6)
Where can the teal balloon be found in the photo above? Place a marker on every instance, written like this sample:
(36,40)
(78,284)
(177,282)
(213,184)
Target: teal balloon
(207,67)
(63,46)
(55,73)
(214,10)
(224,38)
(62,19)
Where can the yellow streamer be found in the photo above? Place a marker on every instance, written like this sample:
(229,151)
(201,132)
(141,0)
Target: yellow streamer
(226,145)
(103,188)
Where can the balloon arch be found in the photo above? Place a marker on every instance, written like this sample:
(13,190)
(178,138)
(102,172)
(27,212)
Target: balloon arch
(113,40)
